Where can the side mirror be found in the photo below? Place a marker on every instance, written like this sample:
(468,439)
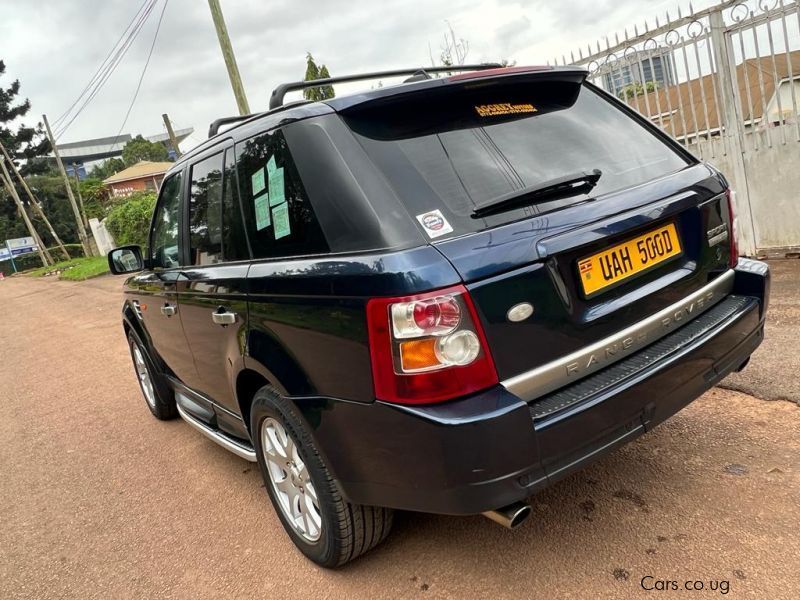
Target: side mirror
(125,259)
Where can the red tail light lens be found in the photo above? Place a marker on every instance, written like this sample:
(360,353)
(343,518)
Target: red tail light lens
(434,316)
(428,348)
(733,230)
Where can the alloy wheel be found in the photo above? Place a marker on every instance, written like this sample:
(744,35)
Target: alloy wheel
(291,481)
(143,374)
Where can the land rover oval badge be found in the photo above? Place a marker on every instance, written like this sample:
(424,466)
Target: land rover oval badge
(520,312)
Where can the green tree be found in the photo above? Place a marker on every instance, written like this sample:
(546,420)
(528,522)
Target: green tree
(141,149)
(129,220)
(107,168)
(322,92)
(22,143)
(25,142)
(96,197)
(637,89)
(52,195)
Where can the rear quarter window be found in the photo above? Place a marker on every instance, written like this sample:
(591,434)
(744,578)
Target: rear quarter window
(278,214)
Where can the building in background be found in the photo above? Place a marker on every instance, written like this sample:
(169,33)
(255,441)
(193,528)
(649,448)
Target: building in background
(694,113)
(143,176)
(82,155)
(646,65)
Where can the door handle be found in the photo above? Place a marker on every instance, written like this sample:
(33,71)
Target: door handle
(223,317)
(168,310)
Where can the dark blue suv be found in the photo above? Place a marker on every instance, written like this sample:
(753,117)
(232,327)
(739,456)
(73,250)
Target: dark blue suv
(438,296)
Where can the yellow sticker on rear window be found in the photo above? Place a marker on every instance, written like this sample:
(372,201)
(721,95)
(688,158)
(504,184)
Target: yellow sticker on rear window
(503,108)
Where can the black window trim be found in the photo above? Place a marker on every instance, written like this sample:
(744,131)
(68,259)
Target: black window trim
(279,125)
(184,236)
(231,150)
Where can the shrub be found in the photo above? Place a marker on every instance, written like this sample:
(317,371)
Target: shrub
(129,220)
(74,250)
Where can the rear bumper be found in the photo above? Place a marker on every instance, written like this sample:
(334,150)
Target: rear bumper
(492,449)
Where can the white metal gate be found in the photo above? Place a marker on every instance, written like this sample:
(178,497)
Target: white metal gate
(725,82)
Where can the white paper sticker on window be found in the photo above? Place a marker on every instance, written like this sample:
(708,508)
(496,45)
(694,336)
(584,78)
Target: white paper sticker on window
(434,223)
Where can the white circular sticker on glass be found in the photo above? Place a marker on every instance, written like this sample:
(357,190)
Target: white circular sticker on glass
(434,223)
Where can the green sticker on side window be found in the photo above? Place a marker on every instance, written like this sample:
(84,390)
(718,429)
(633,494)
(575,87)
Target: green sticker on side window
(262,211)
(271,164)
(258,182)
(280,218)
(276,189)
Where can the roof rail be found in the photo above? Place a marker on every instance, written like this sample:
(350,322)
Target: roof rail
(279,92)
(213,129)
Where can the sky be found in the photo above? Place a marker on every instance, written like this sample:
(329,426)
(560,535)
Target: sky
(54,47)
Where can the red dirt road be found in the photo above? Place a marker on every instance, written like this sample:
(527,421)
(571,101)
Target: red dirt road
(98,499)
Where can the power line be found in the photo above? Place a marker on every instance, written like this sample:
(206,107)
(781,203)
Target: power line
(144,70)
(58,121)
(110,67)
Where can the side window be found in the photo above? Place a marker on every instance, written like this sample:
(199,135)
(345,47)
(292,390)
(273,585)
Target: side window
(234,242)
(279,216)
(164,238)
(205,211)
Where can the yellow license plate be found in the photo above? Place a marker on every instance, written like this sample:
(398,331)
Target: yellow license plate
(625,260)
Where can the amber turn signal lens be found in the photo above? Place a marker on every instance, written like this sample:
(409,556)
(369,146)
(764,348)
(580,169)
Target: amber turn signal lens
(418,355)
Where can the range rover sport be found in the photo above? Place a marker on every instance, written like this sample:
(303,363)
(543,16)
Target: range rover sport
(440,296)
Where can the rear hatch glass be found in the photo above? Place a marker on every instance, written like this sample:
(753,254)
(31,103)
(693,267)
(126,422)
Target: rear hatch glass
(449,152)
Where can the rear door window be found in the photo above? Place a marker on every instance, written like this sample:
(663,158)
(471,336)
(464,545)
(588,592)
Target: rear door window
(205,211)
(452,153)
(234,241)
(278,214)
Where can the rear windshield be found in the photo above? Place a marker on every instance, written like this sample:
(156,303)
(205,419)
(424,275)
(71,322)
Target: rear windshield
(445,156)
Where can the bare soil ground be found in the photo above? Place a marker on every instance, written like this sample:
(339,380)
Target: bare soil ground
(100,500)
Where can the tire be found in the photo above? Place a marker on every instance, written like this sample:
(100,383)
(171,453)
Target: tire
(345,530)
(157,394)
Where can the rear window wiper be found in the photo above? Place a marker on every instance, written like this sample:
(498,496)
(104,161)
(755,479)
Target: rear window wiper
(554,189)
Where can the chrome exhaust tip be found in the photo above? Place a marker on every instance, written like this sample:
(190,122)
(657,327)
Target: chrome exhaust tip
(511,516)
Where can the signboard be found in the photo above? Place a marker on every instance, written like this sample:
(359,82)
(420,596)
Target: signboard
(5,253)
(21,246)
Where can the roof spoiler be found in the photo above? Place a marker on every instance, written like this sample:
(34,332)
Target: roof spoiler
(276,99)
(483,79)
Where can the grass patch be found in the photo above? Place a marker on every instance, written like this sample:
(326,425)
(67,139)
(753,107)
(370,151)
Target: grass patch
(76,269)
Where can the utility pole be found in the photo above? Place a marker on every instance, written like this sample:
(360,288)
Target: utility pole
(38,239)
(230,59)
(87,250)
(34,203)
(172,139)
(12,191)
(80,197)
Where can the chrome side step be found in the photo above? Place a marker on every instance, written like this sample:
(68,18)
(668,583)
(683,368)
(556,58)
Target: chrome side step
(220,438)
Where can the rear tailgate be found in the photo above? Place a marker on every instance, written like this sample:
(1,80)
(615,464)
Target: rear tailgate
(565,318)
(590,262)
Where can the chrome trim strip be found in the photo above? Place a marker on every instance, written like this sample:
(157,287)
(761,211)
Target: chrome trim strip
(215,436)
(583,362)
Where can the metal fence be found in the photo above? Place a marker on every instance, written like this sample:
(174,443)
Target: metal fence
(725,82)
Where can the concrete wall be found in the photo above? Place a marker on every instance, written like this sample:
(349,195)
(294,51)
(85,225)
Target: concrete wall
(772,184)
(102,237)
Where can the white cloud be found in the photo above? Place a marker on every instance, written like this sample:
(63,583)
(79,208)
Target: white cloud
(54,47)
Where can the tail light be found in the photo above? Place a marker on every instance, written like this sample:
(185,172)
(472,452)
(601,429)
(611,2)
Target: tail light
(733,232)
(428,348)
